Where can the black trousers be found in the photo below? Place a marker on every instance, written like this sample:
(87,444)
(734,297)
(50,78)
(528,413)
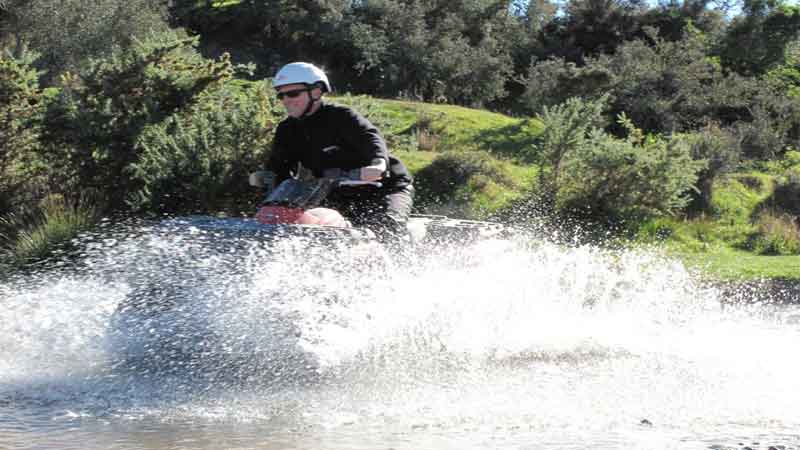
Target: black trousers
(383,211)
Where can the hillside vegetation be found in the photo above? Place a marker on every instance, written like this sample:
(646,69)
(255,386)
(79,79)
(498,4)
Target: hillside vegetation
(744,238)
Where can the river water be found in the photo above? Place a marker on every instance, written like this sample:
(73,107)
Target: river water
(286,345)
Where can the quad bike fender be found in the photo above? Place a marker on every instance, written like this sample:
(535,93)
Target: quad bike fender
(282,215)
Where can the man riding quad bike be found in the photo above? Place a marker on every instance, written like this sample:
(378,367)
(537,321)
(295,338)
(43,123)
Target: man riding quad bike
(326,138)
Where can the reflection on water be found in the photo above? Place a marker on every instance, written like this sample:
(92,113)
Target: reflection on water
(192,340)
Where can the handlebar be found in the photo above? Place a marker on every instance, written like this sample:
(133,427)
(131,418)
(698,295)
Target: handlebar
(349,182)
(338,177)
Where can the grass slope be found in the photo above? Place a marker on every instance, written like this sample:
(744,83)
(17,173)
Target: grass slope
(466,162)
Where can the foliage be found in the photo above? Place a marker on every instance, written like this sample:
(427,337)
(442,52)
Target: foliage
(68,33)
(197,159)
(93,130)
(555,80)
(286,30)
(454,54)
(672,19)
(32,233)
(641,176)
(776,234)
(756,41)
(595,175)
(673,86)
(773,125)
(720,149)
(738,195)
(663,86)
(791,159)
(566,129)
(723,245)
(786,76)
(592,27)
(21,106)
(785,196)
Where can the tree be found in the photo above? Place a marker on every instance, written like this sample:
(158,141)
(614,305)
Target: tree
(757,40)
(21,107)
(273,32)
(673,17)
(432,49)
(591,27)
(553,81)
(92,129)
(67,33)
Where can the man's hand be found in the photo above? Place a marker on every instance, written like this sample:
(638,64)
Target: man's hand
(374,172)
(262,179)
(367,173)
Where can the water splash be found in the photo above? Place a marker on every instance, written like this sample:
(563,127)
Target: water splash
(500,338)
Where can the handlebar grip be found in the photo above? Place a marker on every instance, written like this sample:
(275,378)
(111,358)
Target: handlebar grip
(360,183)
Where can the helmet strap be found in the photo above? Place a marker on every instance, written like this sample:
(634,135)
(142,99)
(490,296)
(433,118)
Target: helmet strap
(311,101)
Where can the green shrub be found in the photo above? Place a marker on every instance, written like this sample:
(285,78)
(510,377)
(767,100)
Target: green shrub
(453,180)
(639,177)
(792,158)
(21,107)
(776,234)
(590,173)
(428,129)
(765,136)
(786,196)
(656,230)
(720,149)
(32,233)
(95,126)
(69,33)
(566,130)
(198,160)
(554,81)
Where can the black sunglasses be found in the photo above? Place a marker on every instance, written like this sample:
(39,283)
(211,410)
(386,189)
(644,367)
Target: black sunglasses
(292,94)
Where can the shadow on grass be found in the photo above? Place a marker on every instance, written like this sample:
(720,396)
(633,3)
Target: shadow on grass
(517,141)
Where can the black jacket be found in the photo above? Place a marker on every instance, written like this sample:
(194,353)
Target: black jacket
(333,137)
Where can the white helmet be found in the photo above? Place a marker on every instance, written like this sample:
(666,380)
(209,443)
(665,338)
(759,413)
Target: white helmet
(303,73)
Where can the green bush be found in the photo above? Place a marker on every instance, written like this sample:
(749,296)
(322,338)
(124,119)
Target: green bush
(720,149)
(786,196)
(592,174)
(198,160)
(93,130)
(776,234)
(452,180)
(566,130)
(21,107)
(792,159)
(639,177)
(766,135)
(70,33)
(32,233)
(554,81)
(656,230)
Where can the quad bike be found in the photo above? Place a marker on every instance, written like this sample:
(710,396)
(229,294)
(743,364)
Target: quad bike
(297,203)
